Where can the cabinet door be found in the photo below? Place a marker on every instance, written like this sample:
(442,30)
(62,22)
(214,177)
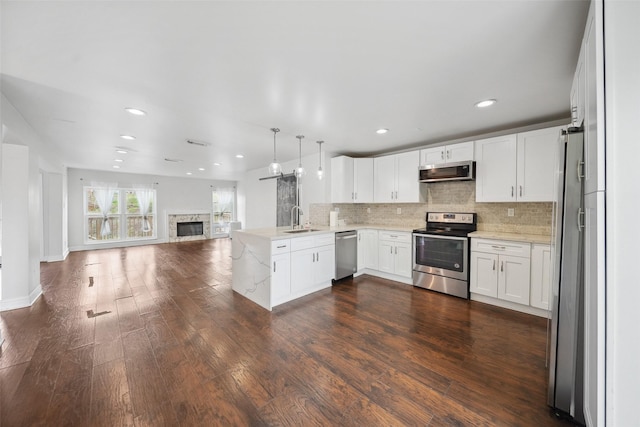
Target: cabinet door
(432,156)
(301,270)
(280,278)
(537,158)
(459,152)
(371,249)
(484,274)
(578,92)
(363,180)
(514,278)
(540,276)
(403,265)
(496,169)
(384,169)
(342,179)
(324,267)
(386,259)
(361,249)
(407,185)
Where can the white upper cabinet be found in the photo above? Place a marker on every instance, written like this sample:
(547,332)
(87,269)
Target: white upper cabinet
(351,180)
(537,153)
(396,178)
(496,169)
(578,92)
(447,154)
(517,168)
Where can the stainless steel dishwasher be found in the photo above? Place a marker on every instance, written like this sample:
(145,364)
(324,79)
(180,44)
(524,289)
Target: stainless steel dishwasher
(346,253)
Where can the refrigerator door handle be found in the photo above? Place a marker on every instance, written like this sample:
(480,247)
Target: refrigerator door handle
(580,170)
(580,219)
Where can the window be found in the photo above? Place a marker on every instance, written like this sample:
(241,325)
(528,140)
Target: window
(223,209)
(116,214)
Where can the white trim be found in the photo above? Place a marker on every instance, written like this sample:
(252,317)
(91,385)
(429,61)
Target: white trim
(115,245)
(511,305)
(384,275)
(21,302)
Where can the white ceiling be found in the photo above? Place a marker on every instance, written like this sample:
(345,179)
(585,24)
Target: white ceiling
(226,72)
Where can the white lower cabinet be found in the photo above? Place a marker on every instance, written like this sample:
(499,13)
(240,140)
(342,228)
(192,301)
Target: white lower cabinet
(511,272)
(540,276)
(280,271)
(394,253)
(367,249)
(312,263)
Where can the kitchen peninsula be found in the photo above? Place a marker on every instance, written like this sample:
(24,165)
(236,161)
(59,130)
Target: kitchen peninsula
(274,265)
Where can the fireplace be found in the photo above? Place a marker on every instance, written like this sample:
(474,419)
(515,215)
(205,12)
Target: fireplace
(185,226)
(193,228)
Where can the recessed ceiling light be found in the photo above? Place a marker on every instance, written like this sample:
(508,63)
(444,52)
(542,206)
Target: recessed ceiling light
(135,111)
(485,103)
(116,167)
(118,160)
(216,164)
(128,137)
(121,151)
(239,156)
(382,130)
(189,173)
(200,169)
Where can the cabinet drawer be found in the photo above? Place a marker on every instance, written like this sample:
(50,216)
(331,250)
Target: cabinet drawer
(501,247)
(325,239)
(280,246)
(394,236)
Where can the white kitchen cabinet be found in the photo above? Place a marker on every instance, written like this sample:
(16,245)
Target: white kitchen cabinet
(501,270)
(447,153)
(280,271)
(396,178)
(496,169)
(517,168)
(540,276)
(312,263)
(351,180)
(578,91)
(280,278)
(367,249)
(394,253)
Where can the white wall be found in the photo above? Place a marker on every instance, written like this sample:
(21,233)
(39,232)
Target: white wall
(173,194)
(25,155)
(622,85)
(257,199)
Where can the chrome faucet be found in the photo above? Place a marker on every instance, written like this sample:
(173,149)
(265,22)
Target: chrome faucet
(299,212)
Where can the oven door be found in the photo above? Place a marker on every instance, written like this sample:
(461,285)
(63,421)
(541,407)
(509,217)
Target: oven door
(441,255)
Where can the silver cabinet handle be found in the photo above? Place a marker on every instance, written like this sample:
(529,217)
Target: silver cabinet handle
(521,191)
(396,250)
(314,257)
(359,237)
(501,265)
(391,250)
(512,191)
(396,195)
(448,154)
(442,155)
(282,246)
(392,195)
(502,248)
(352,196)
(355,196)
(274,266)
(494,265)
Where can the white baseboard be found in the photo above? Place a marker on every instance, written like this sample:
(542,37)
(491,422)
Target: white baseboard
(21,302)
(511,305)
(388,276)
(114,245)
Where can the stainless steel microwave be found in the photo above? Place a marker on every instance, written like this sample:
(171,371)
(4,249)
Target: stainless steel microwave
(459,171)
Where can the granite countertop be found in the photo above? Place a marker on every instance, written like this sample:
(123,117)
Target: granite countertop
(515,237)
(278,233)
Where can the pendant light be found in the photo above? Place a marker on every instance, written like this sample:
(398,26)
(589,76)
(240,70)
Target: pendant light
(300,169)
(320,171)
(274,167)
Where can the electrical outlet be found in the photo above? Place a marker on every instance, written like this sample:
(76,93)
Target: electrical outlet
(511,212)
(368,210)
(399,211)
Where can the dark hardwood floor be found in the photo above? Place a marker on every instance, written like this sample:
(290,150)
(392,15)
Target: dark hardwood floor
(154,335)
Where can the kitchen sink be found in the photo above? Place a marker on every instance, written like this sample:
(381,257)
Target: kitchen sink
(308,230)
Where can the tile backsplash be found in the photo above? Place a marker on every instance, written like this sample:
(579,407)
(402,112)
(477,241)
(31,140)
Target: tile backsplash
(530,218)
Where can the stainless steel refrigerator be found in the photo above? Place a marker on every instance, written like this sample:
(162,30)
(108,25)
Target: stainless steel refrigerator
(566,343)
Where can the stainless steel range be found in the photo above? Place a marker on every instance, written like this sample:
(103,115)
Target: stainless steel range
(441,253)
